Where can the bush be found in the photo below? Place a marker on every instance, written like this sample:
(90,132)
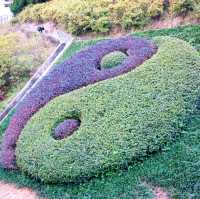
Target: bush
(113,59)
(18,5)
(81,70)
(189,34)
(179,7)
(152,168)
(122,119)
(88,16)
(6,74)
(80,17)
(136,14)
(10,72)
(66,128)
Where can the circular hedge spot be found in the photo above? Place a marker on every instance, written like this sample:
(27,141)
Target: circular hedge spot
(66,128)
(113,59)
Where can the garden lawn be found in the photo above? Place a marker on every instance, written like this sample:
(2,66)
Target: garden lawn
(176,168)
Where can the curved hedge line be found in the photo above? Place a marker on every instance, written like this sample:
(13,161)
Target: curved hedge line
(122,119)
(78,71)
(66,128)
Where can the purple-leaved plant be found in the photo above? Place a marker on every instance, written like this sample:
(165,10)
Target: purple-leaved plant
(80,70)
(66,128)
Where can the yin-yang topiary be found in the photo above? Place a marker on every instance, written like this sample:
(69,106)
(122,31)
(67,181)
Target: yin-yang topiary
(121,119)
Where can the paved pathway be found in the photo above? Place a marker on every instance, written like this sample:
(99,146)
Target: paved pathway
(65,40)
(160,193)
(10,191)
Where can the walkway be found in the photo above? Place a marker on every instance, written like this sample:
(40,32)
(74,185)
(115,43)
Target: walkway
(10,191)
(65,40)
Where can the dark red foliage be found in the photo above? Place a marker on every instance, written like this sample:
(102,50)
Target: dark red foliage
(78,71)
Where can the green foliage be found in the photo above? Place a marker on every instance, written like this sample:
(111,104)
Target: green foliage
(16,61)
(112,59)
(179,7)
(135,14)
(191,34)
(97,16)
(9,70)
(175,169)
(18,5)
(80,17)
(122,119)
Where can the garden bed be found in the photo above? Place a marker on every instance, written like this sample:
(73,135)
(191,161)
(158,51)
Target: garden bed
(175,167)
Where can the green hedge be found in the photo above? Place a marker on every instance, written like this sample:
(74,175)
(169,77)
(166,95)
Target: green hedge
(161,169)
(113,59)
(122,119)
(190,33)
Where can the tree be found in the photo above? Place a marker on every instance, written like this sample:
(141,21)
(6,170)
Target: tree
(18,5)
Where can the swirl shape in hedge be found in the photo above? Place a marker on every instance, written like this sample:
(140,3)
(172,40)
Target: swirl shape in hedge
(78,71)
(122,119)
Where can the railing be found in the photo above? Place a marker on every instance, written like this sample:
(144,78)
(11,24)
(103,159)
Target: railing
(5,19)
(42,71)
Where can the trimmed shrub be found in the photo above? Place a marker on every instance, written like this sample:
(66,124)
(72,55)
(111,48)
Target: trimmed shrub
(190,34)
(80,70)
(113,59)
(122,119)
(66,128)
